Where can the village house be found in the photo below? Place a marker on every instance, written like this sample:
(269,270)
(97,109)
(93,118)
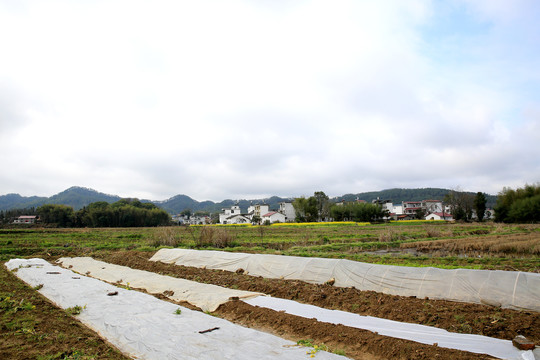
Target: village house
(26,219)
(411,207)
(432,206)
(237,219)
(262,212)
(439,216)
(287,209)
(229,213)
(273,217)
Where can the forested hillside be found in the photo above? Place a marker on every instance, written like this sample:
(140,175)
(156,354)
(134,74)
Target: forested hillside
(79,197)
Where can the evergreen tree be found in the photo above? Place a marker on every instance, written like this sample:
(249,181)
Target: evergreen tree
(480,205)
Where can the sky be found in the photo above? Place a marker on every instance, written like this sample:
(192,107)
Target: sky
(246,99)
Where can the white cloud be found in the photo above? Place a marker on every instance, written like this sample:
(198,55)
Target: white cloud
(233,99)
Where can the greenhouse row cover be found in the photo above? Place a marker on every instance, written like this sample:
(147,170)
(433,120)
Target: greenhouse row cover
(144,327)
(508,289)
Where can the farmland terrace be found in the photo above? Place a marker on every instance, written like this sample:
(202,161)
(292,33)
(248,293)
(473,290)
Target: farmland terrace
(35,329)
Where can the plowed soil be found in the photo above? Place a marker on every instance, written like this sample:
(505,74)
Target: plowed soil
(357,344)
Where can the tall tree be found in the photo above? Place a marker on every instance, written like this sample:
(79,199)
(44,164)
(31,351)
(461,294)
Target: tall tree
(520,205)
(306,209)
(61,215)
(323,205)
(480,205)
(460,203)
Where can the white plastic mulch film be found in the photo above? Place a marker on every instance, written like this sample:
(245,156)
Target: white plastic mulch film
(205,296)
(508,289)
(201,295)
(502,349)
(144,327)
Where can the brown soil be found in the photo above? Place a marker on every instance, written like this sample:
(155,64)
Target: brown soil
(355,343)
(31,327)
(452,316)
(54,332)
(358,344)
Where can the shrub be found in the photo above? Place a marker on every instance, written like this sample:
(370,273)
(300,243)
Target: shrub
(222,238)
(166,236)
(521,205)
(214,236)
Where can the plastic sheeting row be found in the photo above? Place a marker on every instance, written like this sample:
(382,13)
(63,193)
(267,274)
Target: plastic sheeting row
(144,327)
(508,289)
(205,296)
(424,334)
(502,349)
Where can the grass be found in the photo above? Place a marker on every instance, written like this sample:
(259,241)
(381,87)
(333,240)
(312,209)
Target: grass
(408,243)
(75,310)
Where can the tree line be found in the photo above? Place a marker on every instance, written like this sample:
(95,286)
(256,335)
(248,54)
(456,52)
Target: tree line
(465,206)
(319,208)
(521,205)
(123,213)
(7,216)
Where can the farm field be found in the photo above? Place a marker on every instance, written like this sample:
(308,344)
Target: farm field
(478,246)
(475,246)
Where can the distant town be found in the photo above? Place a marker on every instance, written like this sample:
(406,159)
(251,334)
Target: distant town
(262,214)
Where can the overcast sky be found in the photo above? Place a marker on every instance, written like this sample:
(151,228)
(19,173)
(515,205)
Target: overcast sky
(246,99)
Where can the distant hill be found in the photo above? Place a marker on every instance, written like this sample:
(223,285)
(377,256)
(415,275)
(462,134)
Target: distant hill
(179,203)
(78,197)
(16,201)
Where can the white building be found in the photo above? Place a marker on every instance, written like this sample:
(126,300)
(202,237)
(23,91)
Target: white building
(432,206)
(398,209)
(227,213)
(260,210)
(439,216)
(427,206)
(287,209)
(411,207)
(26,219)
(272,217)
(237,219)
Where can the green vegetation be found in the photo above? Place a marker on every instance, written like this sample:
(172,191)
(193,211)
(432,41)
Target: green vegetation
(461,204)
(315,348)
(480,205)
(519,206)
(8,216)
(357,212)
(123,213)
(318,207)
(485,245)
(75,310)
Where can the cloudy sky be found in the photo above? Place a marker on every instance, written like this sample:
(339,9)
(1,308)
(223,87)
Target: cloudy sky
(246,99)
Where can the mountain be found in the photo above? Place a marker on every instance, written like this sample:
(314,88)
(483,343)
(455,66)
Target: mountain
(78,197)
(179,203)
(16,201)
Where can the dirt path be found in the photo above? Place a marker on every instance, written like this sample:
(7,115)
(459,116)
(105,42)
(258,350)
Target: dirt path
(358,344)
